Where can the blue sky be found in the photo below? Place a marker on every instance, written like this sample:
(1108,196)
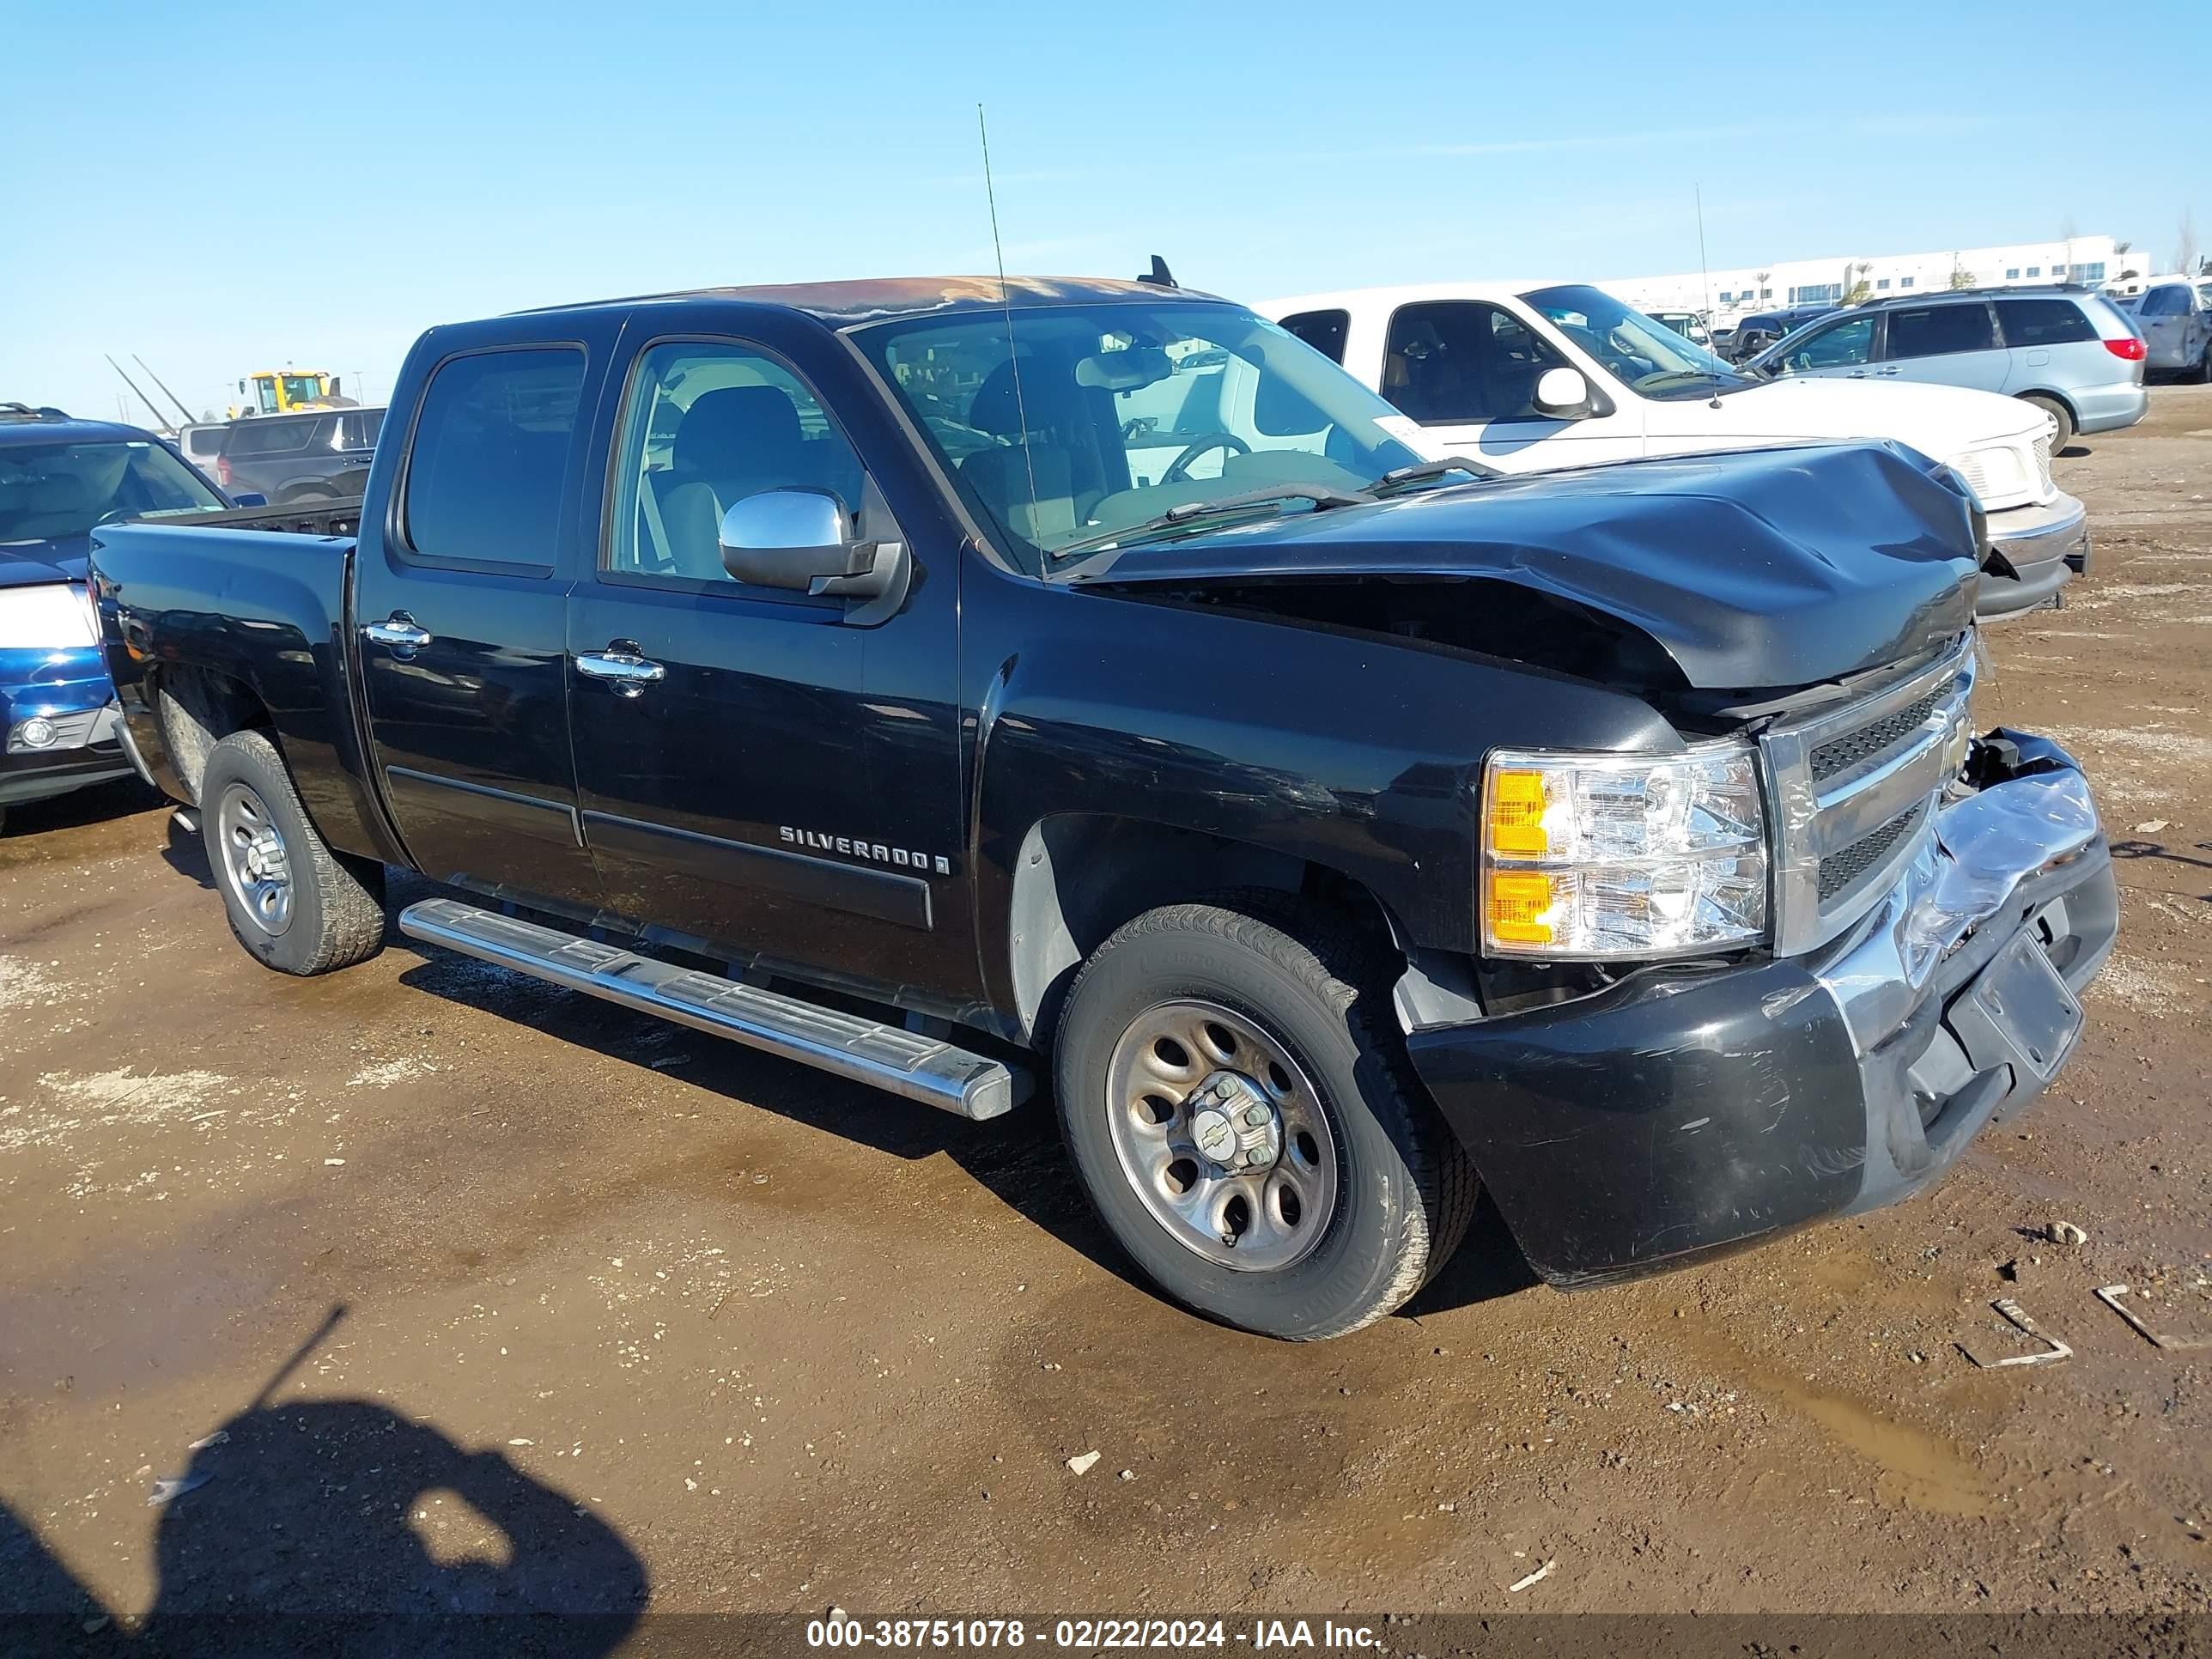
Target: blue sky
(226,187)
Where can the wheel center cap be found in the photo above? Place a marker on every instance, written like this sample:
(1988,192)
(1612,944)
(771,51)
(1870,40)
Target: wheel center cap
(1234,1125)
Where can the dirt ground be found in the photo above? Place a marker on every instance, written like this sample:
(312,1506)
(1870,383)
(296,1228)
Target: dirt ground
(505,1298)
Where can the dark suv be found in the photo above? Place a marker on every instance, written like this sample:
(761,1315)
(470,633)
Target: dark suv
(318,455)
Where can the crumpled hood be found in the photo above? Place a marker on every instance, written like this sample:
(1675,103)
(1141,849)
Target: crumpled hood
(63,559)
(1939,421)
(1756,570)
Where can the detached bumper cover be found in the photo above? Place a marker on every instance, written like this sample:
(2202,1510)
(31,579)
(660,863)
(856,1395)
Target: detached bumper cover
(1689,1110)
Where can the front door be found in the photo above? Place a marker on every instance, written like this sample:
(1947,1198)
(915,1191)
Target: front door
(461,611)
(1466,371)
(757,773)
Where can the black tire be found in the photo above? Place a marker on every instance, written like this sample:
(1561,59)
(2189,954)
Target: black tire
(2058,412)
(2204,366)
(334,904)
(1405,1192)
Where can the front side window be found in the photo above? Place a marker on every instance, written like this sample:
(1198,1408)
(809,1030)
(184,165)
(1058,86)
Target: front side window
(489,453)
(1646,357)
(1454,362)
(2043,322)
(1324,331)
(1082,420)
(1935,331)
(58,490)
(1841,345)
(707,424)
(2171,300)
(361,428)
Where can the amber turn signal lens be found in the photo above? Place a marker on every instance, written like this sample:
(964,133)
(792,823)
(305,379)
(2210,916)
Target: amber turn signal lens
(1517,905)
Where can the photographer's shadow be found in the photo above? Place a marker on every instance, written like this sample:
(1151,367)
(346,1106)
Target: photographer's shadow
(340,1526)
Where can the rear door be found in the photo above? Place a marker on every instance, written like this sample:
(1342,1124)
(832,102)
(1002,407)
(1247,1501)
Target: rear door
(1947,343)
(461,611)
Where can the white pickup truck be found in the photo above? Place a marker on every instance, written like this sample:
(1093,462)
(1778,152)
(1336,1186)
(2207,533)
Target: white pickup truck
(1532,378)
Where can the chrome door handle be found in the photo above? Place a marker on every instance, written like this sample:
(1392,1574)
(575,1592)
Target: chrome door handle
(399,631)
(622,667)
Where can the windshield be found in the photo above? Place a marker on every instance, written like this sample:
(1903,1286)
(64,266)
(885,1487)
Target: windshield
(48,491)
(1101,418)
(1650,357)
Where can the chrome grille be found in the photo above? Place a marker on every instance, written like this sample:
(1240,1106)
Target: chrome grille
(2043,464)
(1838,871)
(1841,754)
(1850,790)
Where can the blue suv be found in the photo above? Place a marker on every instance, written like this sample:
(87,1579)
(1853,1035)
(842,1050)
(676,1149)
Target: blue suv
(2070,352)
(58,479)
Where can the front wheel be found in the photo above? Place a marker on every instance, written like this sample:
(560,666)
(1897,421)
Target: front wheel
(299,906)
(1233,1090)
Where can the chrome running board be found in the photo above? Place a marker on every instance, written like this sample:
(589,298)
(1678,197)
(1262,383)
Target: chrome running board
(887,1057)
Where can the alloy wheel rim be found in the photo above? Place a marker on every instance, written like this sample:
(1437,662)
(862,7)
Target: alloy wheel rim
(255,865)
(1221,1135)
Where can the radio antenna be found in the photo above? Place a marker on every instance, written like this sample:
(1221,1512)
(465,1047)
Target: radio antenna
(1006,305)
(1706,276)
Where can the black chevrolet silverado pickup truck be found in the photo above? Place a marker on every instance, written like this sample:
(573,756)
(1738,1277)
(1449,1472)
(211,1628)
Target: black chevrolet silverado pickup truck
(923,679)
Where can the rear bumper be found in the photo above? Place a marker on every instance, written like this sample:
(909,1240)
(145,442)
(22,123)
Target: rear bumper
(1689,1110)
(2109,408)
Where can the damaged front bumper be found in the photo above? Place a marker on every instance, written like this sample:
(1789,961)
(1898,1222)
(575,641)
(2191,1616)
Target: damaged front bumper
(1689,1110)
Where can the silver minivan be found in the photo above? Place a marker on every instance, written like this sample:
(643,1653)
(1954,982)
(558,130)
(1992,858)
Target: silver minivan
(2072,353)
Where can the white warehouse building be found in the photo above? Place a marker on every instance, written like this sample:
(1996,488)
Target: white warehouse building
(2093,261)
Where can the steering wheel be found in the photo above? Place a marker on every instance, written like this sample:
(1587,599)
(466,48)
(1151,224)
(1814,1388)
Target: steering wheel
(1179,468)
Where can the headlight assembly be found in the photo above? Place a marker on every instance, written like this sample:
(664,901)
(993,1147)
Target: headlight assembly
(1589,857)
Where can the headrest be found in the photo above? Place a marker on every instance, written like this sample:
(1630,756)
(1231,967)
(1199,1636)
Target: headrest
(997,409)
(737,425)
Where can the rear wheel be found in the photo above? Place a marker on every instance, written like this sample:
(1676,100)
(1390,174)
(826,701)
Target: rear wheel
(2058,412)
(1236,1098)
(298,906)
(2205,365)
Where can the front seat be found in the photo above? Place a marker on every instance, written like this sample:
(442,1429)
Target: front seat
(732,442)
(1041,513)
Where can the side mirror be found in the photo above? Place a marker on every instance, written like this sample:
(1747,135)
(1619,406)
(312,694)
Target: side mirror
(248,498)
(800,539)
(1563,394)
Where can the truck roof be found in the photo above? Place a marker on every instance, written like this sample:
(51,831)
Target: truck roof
(879,299)
(44,428)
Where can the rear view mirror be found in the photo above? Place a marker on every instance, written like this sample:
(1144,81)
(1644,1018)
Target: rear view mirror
(1123,371)
(1563,394)
(800,539)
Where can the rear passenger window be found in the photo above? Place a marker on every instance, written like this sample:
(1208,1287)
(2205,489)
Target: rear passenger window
(490,451)
(2043,322)
(263,436)
(707,424)
(1932,331)
(1324,331)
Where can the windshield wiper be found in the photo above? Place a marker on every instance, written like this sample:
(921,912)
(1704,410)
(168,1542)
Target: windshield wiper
(1244,501)
(1398,478)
